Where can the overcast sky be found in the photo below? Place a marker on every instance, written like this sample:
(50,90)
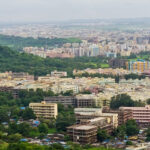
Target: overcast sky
(52,10)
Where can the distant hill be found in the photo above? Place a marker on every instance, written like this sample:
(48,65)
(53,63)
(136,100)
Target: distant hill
(19,42)
(21,62)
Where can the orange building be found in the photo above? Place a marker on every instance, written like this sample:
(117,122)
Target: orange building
(138,66)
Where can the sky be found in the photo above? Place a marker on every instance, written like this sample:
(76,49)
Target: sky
(59,10)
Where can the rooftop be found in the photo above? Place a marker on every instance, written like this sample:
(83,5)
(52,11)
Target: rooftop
(83,127)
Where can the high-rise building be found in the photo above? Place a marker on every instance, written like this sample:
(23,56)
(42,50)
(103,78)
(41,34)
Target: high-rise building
(94,50)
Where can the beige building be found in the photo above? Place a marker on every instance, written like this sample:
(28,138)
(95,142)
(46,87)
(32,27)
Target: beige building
(44,110)
(90,113)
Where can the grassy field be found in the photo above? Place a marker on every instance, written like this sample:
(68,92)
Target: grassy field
(105,65)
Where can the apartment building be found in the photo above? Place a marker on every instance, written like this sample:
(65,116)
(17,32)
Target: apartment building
(140,114)
(123,115)
(83,134)
(111,54)
(75,101)
(138,66)
(65,100)
(84,114)
(103,123)
(44,110)
(84,101)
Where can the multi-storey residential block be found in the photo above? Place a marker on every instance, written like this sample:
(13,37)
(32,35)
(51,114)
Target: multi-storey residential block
(65,100)
(83,114)
(83,134)
(44,110)
(123,115)
(84,101)
(75,101)
(140,114)
(138,66)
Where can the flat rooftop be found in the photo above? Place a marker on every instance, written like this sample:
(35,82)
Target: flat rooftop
(82,127)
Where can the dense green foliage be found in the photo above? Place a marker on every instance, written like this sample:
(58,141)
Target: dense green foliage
(65,117)
(148,134)
(21,62)
(130,129)
(10,109)
(26,146)
(134,76)
(102,135)
(95,75)
(19,42)
(124,100)
(148,101)
(117,78)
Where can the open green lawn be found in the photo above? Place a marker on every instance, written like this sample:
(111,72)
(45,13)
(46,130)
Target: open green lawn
(105,65)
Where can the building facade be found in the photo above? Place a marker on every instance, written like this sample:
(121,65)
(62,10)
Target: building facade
(44,110)
(83,134)
(138,66)
(140,114)
(65,100)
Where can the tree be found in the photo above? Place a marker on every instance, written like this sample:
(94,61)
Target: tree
(121,100)
(28,114)
(132,128)
(3,115)
(148,101)
(13,128)
(67,93)
(24,129)
(129,143)
(86,92)
(13,138)
(43,128)
(148,134)
(57,147)
(102,135)
(117,79)
(65,119)
(121,132)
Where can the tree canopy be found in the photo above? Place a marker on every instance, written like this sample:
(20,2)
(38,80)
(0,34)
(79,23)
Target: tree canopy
(124,100)
(21,62)
(19,42)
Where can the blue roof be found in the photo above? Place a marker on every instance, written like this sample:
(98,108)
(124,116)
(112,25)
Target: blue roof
(106,140)
(46,140)
(22,108)
(23,140)
(119,143)
(36,122)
